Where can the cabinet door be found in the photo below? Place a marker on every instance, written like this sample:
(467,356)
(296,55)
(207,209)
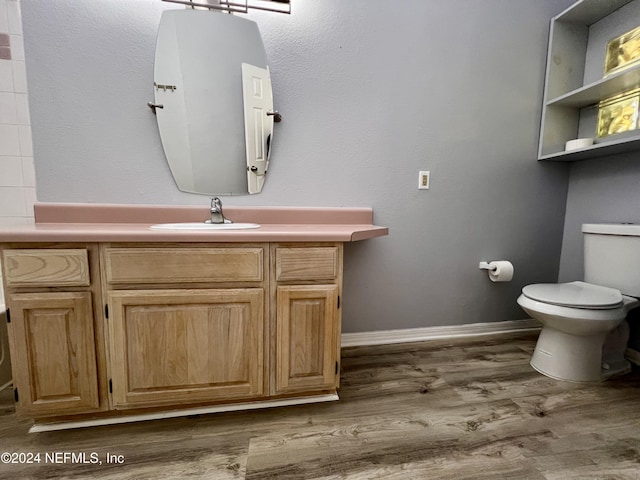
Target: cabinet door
(54,359)
(306,338)
(186,346)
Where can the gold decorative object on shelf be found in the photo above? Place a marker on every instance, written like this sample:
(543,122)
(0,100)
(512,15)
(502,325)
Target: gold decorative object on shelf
(618,114)
(622,52)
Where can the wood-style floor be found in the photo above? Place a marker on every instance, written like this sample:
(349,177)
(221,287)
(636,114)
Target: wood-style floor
(470,409)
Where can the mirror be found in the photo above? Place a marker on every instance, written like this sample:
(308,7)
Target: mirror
(215,126)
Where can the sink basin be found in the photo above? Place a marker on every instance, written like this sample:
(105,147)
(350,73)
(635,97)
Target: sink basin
(203,226)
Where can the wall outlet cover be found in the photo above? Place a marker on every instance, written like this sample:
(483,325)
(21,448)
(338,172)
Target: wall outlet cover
(423,180)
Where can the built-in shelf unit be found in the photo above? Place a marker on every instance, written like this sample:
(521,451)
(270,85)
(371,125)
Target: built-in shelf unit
(575,81)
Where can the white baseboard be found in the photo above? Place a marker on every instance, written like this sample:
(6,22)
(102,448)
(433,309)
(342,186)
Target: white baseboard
(386,337)
(633,356)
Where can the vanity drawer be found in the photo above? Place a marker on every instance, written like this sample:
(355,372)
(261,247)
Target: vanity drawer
(183,265)
(307,263)
(46,267)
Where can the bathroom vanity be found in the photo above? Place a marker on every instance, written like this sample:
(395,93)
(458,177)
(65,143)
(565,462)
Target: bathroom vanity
(111,321)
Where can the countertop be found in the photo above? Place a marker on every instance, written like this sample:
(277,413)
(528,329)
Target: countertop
(59,222)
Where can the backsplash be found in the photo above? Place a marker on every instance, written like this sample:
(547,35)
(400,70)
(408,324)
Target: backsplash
(17,177)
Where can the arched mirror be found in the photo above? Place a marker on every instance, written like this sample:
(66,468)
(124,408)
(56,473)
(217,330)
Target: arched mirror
(213,101)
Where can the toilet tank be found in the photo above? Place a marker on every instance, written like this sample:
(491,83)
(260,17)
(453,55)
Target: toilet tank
(612,256)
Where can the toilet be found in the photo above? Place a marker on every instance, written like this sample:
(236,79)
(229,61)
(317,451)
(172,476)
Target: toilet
(584,333)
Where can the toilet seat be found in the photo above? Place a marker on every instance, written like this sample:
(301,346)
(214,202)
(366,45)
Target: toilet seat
(574,295)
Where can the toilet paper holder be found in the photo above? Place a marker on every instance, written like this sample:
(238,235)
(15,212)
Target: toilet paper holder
(498,270)
(487,266)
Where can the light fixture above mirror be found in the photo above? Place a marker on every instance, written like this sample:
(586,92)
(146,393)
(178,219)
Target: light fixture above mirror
(239,6)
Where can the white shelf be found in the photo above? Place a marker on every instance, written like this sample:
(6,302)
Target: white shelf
(577,41)
(605,88)
(588,12)
(628,144)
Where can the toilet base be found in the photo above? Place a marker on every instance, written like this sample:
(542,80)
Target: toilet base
(572,358)
(609,370)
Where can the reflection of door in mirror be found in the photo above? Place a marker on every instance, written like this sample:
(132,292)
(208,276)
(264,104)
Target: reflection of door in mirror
(258,123)
(198,81)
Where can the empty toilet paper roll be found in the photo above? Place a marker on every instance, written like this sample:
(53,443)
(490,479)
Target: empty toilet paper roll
(503,271)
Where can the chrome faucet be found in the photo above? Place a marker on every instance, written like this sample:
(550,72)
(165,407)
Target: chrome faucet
(216,212)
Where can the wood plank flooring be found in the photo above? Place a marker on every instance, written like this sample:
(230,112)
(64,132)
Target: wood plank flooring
(466,409)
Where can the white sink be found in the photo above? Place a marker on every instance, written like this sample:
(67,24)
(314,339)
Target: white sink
(203,226)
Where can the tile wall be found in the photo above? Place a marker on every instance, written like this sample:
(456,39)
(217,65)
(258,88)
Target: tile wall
(17,177)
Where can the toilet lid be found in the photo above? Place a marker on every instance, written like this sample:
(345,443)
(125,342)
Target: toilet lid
(574,294)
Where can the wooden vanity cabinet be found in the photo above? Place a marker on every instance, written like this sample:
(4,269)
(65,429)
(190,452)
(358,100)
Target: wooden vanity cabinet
(307,279)
(108,327)
(187,324)
(55,337)
(171,347)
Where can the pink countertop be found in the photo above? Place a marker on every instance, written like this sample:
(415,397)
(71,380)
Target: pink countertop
(58,222)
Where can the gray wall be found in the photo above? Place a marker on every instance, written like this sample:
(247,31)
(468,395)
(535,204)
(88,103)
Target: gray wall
(369,95)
